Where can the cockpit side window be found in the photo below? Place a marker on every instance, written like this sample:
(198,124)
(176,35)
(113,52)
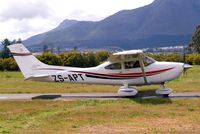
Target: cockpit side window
(114,66)
(132,64)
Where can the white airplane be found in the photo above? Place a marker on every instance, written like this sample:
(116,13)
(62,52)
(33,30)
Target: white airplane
(128,68)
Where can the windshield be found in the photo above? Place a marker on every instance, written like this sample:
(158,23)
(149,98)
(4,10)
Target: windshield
(148,61)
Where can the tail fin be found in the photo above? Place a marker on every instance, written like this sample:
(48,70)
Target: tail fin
(25,60)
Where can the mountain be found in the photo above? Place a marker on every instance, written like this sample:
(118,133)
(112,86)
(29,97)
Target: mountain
(37,39)
(161,23)
(65,24)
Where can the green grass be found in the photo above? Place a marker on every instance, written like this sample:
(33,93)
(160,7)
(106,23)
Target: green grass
(13,82)
(94,116)
(189,82)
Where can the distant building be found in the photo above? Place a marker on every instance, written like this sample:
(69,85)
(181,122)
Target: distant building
(174,49)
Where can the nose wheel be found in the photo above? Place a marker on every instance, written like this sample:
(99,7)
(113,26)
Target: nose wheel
(163,91)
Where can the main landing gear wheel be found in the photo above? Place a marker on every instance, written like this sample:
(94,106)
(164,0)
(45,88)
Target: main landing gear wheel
(126,91)
(164,91)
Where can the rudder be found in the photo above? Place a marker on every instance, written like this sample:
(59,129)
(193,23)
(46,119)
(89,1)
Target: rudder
(25,59)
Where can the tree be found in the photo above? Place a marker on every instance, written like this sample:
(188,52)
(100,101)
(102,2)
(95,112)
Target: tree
(73,59)
(75,48)
(102,56)
(5,52)
(19,40)
(45,48)
(196,40)
(58,49)
(8,64)
(50,58)
(90,60)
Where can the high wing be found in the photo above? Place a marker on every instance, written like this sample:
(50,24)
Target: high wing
(126,55)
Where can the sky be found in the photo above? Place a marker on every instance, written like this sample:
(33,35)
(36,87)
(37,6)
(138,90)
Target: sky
(25,18)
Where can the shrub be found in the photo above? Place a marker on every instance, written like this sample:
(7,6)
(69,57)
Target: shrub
(102,56)
(90,60)
(168,57)
(73,59)
(76,59)
(8,64)
(50,58)
(193,59)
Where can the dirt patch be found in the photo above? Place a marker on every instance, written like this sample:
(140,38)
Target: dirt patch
(170,125)
(108,129)
(150,125)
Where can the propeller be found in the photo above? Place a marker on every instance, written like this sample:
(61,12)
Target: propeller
(185,65)
(185,68)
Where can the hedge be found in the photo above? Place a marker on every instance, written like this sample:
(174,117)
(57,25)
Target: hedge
(76,59)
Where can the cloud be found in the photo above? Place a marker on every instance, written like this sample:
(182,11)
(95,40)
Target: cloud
(82,15)
(25,18)
(14,29)
(24,9)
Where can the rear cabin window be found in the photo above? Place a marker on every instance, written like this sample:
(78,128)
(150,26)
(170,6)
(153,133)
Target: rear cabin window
(114,66)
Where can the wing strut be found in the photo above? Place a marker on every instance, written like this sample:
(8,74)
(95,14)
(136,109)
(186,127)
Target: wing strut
(142,68)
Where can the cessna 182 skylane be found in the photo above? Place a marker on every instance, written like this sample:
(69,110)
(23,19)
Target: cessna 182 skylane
(127,68)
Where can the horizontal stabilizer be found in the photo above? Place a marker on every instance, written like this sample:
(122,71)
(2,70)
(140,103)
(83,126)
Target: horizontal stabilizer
(34,77)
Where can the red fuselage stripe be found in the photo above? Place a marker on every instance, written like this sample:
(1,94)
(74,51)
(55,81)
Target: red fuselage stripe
(21,54)
(127,74)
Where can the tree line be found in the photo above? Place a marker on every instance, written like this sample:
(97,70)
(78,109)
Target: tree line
(74,59)
(71,59)
(77,59)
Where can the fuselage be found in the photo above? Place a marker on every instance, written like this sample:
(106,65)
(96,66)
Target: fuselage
(123,68)
(156,73)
